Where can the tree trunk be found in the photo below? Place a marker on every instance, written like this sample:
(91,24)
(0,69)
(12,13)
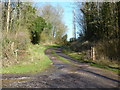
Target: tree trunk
(118,6)
(8,15)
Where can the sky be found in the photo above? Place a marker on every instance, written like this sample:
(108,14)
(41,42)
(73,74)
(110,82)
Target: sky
(67,15)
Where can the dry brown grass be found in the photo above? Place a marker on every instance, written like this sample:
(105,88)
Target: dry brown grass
(107,50)
(11,42)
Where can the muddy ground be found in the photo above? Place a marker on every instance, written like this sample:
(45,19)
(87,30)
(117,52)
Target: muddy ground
(61,75)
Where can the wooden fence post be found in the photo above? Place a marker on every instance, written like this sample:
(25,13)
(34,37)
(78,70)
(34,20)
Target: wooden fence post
(94,58)
(12,47)
(93,53)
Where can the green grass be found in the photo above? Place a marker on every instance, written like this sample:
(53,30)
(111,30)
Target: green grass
(61,58)
(51,46)
(37,61)
(98,63)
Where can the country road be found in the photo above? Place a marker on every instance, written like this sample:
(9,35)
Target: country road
(61,75)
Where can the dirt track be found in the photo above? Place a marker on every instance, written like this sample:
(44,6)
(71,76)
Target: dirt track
(76,75)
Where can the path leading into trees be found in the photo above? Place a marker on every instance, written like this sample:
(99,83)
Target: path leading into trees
(61,75)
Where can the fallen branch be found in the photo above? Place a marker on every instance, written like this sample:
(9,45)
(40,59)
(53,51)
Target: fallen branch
(21,51)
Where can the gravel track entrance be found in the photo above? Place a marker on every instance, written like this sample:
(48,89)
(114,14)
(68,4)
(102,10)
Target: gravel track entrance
(61,75)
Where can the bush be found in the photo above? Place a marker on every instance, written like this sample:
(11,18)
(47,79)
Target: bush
(11,42)
(107,50)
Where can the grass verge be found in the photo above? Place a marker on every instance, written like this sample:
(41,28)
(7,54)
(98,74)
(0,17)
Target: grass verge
(98,63)
(61,58)
(37,61)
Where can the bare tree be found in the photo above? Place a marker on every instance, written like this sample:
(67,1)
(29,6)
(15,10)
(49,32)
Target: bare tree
(53,15)
(8,15)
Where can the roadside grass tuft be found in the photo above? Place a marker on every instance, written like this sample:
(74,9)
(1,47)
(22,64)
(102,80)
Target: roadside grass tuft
(51,46)
(37,61)
(61,58)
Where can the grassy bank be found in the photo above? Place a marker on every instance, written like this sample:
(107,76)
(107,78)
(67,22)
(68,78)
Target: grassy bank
(36,61)
(80,57)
